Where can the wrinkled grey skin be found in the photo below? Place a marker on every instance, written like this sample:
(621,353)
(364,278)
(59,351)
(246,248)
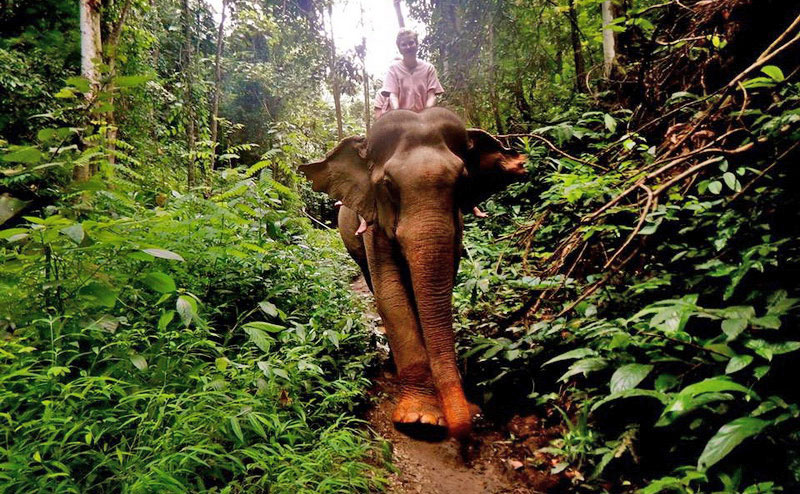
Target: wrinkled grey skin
(410,180)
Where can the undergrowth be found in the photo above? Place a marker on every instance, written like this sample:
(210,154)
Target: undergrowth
(205,345)
(640,292)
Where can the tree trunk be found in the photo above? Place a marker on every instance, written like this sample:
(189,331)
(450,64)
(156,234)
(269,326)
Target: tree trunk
(337,103)
(399,11)
(609,50)
(365,78)
(111,47)
(522,103)
(217,88)
(498,122)
(188,98)
(91,53)
(577,49)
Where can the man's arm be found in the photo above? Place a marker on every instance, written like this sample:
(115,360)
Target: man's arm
(394,101)
(431,99)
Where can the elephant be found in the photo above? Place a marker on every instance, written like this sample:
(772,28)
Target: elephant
(411,179)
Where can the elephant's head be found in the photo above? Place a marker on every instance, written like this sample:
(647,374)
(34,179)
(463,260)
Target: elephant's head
(411,178)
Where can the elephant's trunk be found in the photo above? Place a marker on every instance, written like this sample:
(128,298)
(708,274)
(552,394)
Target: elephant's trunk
(429,245)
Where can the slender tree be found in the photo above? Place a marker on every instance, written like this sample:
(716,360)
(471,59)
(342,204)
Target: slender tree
(361,50)
(188,102)
(399,11)
(577,48)
(91,50)
(217,87)
(112,48)
(334,77)
(609,50)
(498,122)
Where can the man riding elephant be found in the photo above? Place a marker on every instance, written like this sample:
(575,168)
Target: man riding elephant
(410,180)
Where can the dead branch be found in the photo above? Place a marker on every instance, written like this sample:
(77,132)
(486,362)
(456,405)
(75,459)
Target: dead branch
(593,288)
(764,172)
(642,218)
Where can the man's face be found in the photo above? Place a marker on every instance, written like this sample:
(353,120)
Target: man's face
(407,45)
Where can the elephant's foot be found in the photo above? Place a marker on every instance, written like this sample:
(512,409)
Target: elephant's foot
(420,407)
(419,414)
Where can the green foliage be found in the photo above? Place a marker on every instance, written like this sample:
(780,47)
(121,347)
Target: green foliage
(673,368)
(130,367)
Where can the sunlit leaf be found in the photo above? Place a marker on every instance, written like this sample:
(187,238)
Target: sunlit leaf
(164,254)
(158,281)
(629,376)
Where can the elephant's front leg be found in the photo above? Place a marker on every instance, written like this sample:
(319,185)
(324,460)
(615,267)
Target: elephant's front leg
(418,402)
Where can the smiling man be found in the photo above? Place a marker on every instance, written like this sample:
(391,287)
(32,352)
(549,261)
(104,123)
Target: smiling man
(411,84)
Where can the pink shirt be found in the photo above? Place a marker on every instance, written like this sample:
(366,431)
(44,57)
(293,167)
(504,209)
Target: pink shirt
(411,87)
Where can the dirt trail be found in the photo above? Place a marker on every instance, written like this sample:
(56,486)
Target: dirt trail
(434,467)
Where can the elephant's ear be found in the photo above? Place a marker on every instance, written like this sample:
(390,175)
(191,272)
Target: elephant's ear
(344,175)
(490,168)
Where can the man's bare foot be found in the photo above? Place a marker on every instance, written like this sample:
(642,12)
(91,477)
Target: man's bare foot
(362,227)
(478,213)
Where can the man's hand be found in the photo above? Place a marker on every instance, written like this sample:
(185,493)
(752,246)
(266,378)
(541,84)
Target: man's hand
(431,100)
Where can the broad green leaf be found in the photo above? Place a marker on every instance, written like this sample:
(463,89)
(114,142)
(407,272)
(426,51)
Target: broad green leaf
(75,233)
(45,135)
(187,309)
(130,80)
(160,282)
(727,438)
(164,254)
(258,336)
(236,428)
(28,155)
(733,327)
(584,367)
(98,294)
(268,308)
(713,384)
(630,393)
(611,123)
(715,187)
(768,350)
(165,319)
(629,376)
(80,83)
(266,326)
(730,180)
(682,405)
(698,394)
(572,354)
(10,232)
(65,93)
(738,363)
(9,207)
(768,322)
(139,362)
(775,73)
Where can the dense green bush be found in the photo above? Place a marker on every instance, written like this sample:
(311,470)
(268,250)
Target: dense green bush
(210,345)
(673,370)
